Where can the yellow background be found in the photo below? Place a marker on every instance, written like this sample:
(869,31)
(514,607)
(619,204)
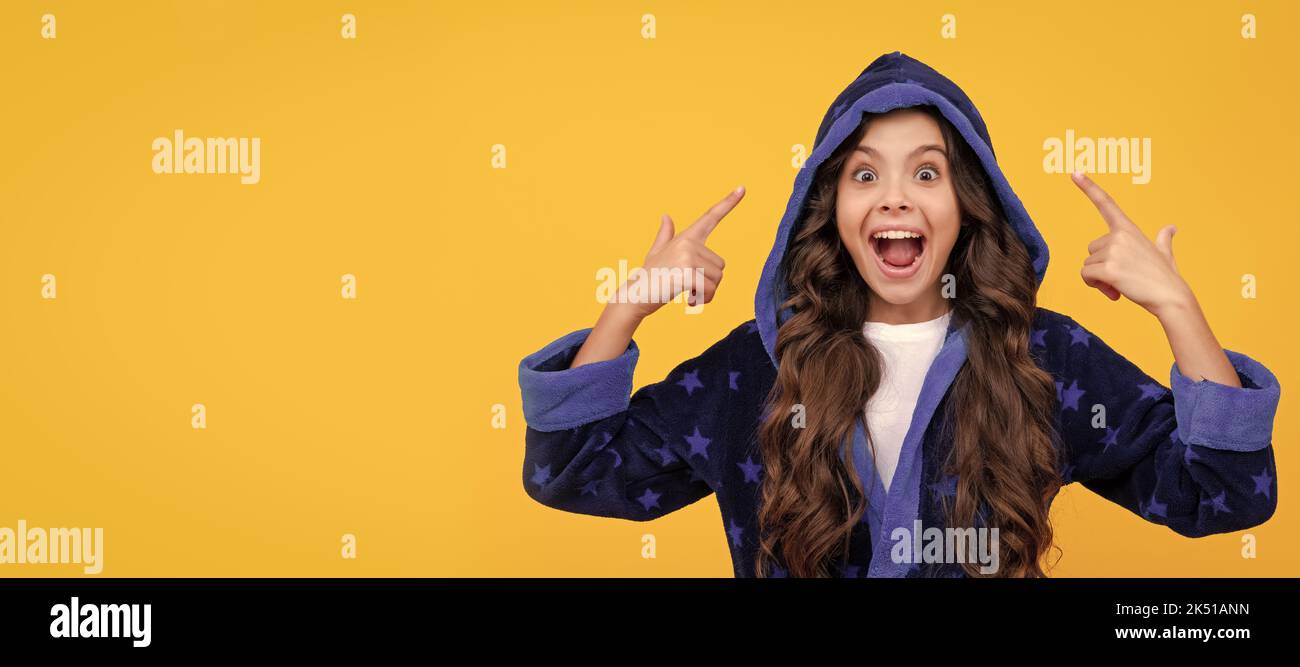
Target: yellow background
(373,416)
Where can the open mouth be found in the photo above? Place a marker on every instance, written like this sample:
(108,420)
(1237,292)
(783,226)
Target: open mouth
(898,251)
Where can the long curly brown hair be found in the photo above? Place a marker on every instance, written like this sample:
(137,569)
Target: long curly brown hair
(1001,403)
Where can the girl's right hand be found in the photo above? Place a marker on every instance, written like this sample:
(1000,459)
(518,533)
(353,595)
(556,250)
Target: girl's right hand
(679,256)
(686,252)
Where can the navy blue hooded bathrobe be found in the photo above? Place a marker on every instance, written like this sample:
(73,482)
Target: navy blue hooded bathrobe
(1194,456)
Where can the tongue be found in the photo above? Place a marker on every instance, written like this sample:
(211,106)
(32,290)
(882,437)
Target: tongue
(899,252)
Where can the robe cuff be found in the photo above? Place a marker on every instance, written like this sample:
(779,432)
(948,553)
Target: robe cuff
(556,397)
(1223,417)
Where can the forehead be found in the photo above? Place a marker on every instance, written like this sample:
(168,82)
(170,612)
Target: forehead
(902,129)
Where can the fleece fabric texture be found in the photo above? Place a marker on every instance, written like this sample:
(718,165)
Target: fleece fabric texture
(1194,456)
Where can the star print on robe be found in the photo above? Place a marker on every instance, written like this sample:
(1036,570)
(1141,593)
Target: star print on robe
(1109,439)
(1147,473)
(699,444)
(1263,483)
(1069,398)
(732,376)
(1151,390)
(541,474)
(1079,335)
(1038,338)
(649,499)
(750,469)
(1219,503)
(691,381)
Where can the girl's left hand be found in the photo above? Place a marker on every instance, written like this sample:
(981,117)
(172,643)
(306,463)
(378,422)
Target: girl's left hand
(1125,262)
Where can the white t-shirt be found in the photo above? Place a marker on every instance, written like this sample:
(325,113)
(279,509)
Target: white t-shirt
(907,350)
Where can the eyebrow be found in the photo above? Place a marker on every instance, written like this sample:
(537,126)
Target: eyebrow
(919,149)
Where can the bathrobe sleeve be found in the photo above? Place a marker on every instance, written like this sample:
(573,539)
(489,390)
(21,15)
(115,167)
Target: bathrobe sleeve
(591,449)
(1195,456)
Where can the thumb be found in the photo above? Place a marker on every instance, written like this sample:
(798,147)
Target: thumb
(1165,241)
(665,234)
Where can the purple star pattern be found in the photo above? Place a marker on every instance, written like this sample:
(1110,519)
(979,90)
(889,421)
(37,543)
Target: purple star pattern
(691,381)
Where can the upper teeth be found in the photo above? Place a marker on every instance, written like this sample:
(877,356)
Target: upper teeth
(896,234)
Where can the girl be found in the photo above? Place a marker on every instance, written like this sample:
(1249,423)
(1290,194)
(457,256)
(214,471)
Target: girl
(899,391)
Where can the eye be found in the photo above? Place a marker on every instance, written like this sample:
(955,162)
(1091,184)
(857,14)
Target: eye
(928,169)
(864,171)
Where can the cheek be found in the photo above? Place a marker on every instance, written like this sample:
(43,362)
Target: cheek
(849,218)
(852,208)
(944,217)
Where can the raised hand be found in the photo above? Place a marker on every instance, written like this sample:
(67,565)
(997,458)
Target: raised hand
(1125,262)
(674,256)
(685,252)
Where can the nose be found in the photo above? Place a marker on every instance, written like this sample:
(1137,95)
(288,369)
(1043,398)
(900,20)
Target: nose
(894,202)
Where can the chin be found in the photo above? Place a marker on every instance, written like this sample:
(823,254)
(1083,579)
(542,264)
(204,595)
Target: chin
(899,295)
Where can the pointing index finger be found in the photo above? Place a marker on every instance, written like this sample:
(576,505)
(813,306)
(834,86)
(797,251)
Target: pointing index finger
(707,222)
(1110,211)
